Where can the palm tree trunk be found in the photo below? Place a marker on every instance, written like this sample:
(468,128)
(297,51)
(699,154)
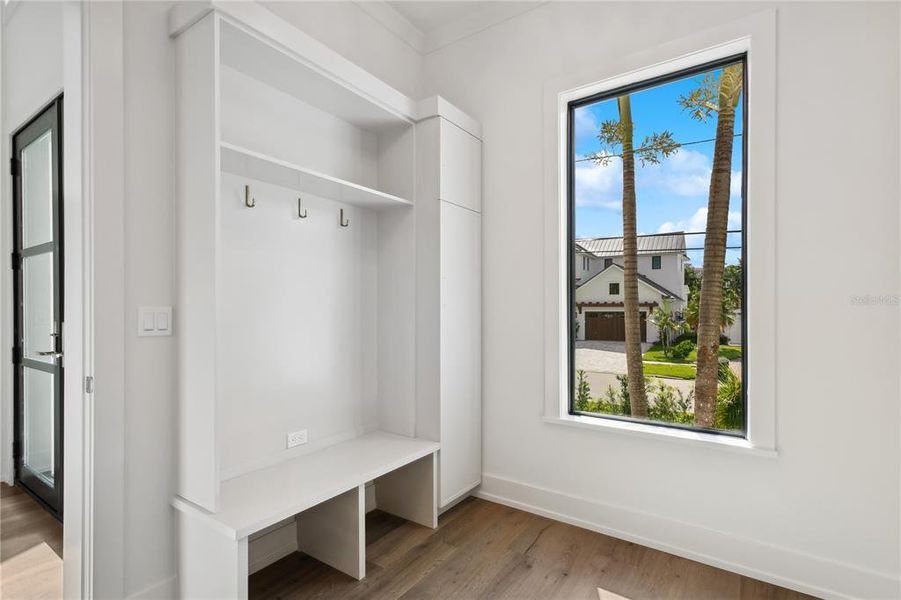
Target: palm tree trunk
(711,300)
(637,399)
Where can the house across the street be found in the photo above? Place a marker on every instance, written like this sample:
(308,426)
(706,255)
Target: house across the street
(599,283)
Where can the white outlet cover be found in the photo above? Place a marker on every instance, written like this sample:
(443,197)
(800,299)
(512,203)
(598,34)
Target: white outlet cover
(297,438)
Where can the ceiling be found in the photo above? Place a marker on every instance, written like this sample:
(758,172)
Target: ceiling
(429,16)
(428,26)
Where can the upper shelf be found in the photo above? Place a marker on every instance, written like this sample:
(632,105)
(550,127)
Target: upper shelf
(280,67)
(254,165)
(255,500)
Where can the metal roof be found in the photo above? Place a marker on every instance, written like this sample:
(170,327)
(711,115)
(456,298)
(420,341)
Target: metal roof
(658,243)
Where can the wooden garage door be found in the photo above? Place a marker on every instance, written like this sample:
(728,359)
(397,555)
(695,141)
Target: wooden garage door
(610,326)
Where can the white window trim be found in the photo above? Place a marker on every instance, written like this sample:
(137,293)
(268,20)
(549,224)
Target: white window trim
(756,35)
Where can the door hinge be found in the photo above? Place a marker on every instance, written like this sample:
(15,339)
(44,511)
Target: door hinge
(16,261)
(15,167)
(89,384)
(17,355)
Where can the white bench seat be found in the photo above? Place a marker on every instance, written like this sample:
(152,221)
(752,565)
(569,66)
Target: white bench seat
(329,485)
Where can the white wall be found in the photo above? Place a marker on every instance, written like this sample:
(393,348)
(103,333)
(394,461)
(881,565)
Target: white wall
(150,419)
(824,514)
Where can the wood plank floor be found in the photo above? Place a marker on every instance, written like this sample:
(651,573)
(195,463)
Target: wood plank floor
(31,548)
(486,550)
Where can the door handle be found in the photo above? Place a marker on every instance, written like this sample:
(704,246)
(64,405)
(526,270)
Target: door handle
(52,353)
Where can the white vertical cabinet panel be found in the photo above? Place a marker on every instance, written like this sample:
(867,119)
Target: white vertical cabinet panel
(428,297)
(461,167)
(461,399)
(197,181)
(211,563)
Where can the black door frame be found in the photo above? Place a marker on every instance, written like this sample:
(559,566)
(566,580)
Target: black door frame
(50,118)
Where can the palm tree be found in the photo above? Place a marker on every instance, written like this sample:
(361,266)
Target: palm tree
(620,133)
(662,318)
(731,302)
(718,95)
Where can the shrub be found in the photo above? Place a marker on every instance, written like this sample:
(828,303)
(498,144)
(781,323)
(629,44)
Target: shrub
(729,406)
(681,350)
(583,390)
(693,336)
(671,405)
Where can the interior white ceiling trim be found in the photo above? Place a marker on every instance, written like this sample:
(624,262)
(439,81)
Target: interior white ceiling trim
(454,31)
(394,22)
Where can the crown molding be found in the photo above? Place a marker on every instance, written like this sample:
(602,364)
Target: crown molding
(393,21)
(426,42)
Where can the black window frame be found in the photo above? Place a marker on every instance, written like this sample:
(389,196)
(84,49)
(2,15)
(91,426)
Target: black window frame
(608,262)
(611,288)
(656,262)
(570,233)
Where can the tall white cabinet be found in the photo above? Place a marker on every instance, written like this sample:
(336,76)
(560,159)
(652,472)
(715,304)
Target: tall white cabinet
(328,232)
(448,208)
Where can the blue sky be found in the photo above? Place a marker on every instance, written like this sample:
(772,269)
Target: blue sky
(671,196)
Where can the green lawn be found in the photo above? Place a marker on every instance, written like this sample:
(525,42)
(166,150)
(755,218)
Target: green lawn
(671,370)
(656,354)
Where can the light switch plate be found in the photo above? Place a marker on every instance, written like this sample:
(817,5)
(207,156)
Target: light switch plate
(154,321)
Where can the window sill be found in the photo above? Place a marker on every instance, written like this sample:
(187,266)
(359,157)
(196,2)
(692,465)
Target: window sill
(681,436)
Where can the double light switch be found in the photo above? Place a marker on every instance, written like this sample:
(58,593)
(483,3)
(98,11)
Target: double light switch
(154,321)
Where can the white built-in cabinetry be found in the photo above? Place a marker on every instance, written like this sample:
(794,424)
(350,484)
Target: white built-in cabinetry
(448,220)
(328,232)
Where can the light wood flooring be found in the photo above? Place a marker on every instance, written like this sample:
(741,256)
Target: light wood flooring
(486,550)
(31,548)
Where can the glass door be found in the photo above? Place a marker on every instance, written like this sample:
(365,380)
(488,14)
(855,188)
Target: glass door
(37,273)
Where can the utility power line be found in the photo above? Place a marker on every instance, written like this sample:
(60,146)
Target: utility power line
(642,148)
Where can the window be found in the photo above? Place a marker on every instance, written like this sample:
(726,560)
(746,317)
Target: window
(640,163)
(586,263)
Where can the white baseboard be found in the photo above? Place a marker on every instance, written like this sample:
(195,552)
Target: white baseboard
(162,590)
(778,565)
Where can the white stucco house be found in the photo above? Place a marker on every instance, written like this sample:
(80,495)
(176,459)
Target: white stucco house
(599,283)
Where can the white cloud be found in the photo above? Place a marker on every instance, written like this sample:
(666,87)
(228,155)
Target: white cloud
(698,222)
(686,173)
(735,184)
(600,186)
(585,122)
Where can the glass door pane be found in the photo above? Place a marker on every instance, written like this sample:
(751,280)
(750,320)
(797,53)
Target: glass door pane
(39,443)
(38,323)
(37,191)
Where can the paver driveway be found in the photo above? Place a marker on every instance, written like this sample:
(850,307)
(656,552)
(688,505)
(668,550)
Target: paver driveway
(603,357)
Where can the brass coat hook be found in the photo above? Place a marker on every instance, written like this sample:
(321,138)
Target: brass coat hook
(301,211)
(249,201)
(341,220)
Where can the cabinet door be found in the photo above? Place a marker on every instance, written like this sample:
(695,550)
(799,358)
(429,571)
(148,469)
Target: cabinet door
(461,167)
(461,352)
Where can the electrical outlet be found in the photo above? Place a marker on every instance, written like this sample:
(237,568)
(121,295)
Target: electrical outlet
(297,438)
